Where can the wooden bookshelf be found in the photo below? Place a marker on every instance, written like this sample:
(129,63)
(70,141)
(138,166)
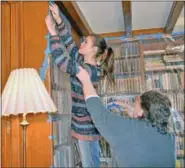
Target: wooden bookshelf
(141,52)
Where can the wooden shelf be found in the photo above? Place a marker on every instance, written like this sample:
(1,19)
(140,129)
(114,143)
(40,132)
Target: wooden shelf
(120,94)
(181,67)
(166,91)
(127,57)
(157,52)
(127,74)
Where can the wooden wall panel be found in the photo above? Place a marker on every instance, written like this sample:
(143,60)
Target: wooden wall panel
(5,45)
(34,33)
(23,45)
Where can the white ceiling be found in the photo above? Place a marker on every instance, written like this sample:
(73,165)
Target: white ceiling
(146,15)
(103,16)
(106,17)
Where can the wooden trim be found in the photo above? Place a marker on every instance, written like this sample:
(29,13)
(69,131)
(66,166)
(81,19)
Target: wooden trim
(113,34)
(134,32)
(127,15)
(147,31)
(173,16)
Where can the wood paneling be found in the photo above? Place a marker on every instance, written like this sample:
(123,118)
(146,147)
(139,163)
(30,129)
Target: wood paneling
(5,45)
(134,32)
(34,33)
(39,146)
(23,45)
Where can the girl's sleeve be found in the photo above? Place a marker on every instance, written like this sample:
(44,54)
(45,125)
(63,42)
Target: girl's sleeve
(69,42)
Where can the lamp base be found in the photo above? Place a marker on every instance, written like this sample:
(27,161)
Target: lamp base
(24,121)
(24,125)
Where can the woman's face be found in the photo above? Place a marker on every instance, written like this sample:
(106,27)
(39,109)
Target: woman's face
(138,111)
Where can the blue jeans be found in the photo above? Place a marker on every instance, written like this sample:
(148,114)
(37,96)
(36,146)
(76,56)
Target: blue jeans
(90,153)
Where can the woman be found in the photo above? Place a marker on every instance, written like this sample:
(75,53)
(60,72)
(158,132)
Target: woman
(94,49)
(142,141)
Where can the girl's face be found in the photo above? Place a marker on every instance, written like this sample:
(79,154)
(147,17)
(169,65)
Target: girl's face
(87,47)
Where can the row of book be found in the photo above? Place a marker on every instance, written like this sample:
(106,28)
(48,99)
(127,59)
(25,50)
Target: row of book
(63,157)
(177,100)
(160,64)
(105,151)
(62,130)
(62,99)
(165,81)
(126,49)
(122,85)
(173,58)
(180,146)
(129,99)
(127,65)
(162,43)
(153,44)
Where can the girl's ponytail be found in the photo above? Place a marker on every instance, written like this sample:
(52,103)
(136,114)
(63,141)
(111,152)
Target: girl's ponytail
(108,65)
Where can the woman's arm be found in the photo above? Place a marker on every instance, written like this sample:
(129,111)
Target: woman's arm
(108,124)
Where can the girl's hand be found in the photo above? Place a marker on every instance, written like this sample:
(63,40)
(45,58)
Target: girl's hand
(50,25)
(55,12)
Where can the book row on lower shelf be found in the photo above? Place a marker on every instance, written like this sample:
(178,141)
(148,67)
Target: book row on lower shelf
(165,81)
(105,151)
(127,85)
(177,100)
(127,65)
(62,99)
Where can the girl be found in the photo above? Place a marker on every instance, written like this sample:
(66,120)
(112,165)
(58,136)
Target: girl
(93,49)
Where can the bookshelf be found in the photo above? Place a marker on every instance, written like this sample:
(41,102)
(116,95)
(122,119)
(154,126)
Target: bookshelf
(63,146)
(142,65)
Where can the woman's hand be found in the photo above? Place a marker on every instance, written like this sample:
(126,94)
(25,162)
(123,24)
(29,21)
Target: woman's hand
(50,25)
(83,75)
(55,12)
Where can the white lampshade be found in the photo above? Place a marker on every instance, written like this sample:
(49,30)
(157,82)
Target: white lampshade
(25,93)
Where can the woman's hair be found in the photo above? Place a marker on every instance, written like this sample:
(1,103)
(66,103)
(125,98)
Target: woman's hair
(157,109)
(108,63)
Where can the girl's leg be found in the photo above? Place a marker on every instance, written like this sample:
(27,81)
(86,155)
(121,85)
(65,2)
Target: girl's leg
(90,153)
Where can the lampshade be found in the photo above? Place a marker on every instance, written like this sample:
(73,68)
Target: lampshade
(25,93)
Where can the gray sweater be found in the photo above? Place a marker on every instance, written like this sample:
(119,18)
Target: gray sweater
(135,142)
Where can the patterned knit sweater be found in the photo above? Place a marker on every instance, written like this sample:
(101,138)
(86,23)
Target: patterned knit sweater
(65,54)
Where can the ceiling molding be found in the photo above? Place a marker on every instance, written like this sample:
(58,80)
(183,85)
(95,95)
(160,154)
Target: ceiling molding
(75,17)
(134,32)
(147,31)
(127,15)
(113,34)
(173,16)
